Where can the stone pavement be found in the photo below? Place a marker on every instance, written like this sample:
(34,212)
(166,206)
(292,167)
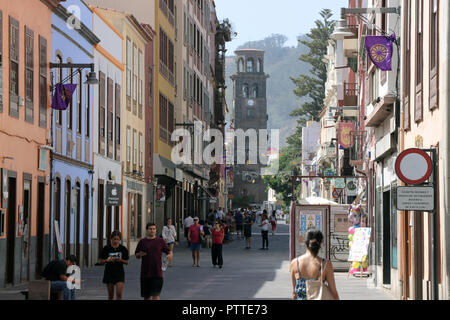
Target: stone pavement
(247,275)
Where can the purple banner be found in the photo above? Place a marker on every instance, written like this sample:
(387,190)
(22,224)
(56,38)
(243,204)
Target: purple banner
(63,96)
(379,49)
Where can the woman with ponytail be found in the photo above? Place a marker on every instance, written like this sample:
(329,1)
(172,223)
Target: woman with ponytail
(311,267)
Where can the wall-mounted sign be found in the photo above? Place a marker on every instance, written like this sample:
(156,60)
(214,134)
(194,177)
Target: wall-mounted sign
(415,199)
(351,187)
(339,183)
(113,195)
(345,137)
(413,166)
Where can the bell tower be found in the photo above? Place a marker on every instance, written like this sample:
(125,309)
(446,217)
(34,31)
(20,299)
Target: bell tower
(249,113)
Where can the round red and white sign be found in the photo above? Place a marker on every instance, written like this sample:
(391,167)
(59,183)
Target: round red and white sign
(413,166)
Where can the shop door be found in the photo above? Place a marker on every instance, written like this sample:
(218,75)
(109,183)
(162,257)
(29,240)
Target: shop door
(40,229)
(108,224)
(11,229)
(68,205)
(26,230)
(86,227)
(387,237)
(100,211)
(78,221)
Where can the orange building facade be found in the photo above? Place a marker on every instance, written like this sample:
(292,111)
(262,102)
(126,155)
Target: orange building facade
(25,50)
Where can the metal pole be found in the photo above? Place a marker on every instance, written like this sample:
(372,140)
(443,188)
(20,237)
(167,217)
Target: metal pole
(434,232)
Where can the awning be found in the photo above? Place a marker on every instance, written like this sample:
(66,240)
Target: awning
(209,195)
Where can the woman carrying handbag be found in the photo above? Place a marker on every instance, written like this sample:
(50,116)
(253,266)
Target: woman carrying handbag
(309,272)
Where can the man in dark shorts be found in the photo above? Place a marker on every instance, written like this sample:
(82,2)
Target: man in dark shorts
(248,230)
(150,249)
(239,219)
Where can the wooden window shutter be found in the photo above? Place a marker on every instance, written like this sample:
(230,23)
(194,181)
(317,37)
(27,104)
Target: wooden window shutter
(14,67)
(1,61)
(101,115)
(170,121)
(110,117)
(29,75)
(43,93)
(118,125)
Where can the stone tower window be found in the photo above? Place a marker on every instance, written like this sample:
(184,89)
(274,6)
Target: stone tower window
(241,65)
(245,90)
(254,93)
(259,65)
(250,64)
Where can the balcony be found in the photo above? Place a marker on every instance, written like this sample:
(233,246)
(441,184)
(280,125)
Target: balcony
(350,94)
(383,109)
(357,150)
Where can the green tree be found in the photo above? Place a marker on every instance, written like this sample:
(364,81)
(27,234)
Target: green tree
(313,86)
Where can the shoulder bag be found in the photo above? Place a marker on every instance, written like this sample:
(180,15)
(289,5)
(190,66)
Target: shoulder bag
(317,289)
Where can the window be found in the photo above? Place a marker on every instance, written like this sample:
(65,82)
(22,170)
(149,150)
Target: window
(170,120)
(134,149)
(434,54)
(150,139)
(110,118)
(29,75)
(407,79)
(117,126)
(135,74)
(245,91)
(69,112)
(254,91)
(141,66)
(128,67)
(250,65)
(128,145)
(141,150)
(80,103)
(1,61)
(101,113)
(418,110)
(13,67)
(150,87)
(87,125)
(58,79)
(42,81)
(163,118)
(259,65)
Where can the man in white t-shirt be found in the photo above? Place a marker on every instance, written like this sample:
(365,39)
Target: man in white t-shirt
(189,221)
(220,214)
(258,216)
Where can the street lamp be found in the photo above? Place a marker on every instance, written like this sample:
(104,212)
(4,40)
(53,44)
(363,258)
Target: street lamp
(91,78)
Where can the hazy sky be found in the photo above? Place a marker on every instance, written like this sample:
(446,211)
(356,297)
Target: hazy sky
(256,19)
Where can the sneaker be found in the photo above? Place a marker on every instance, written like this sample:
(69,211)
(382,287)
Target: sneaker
(220,267)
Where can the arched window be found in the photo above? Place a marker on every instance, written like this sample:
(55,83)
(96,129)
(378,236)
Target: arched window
(250,65)
(245,90)
(260,65)
(254,93)
(241,65)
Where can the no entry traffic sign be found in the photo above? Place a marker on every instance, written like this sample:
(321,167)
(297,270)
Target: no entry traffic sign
(414,166)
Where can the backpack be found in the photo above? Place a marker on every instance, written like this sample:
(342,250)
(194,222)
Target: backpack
(48,269)
(206,230)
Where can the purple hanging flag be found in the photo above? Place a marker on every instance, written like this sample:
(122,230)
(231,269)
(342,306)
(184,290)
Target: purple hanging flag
(379,49)
(63,96)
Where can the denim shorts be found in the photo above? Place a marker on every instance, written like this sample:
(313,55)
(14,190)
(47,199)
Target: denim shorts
(196,246)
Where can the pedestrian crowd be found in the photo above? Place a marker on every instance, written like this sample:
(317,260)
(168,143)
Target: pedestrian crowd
(212,233)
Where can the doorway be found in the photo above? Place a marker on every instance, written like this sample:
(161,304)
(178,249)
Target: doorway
(77,239)
(117,219)
(11,229)
(100,214)
(67,219)
(57,211)
(109,213)
(25,274)
(40,229)
(387,238)
(86,227)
